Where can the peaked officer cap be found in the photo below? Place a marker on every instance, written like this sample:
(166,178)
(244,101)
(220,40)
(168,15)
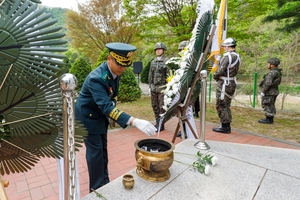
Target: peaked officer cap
(121,52)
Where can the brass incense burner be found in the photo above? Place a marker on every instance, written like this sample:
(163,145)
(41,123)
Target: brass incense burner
(154,158)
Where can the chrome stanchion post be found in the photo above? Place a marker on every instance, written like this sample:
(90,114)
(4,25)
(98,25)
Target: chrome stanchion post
(201,144)
(68,83)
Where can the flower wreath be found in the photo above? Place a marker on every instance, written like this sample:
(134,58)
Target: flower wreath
(182,77)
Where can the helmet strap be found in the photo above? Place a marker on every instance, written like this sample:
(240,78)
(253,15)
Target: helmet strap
(226,49)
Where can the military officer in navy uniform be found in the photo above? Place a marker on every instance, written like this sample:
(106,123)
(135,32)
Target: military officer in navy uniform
(97,103)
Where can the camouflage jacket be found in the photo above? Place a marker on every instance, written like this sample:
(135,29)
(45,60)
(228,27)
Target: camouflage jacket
(269,85)
(223,66)
(158,74)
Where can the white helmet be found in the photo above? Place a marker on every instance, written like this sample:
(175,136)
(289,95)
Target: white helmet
(229,42)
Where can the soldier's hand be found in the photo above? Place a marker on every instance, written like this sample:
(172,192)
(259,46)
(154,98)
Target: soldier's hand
(144,126)
(262,94)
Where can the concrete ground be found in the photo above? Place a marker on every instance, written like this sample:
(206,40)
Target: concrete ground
(266,166)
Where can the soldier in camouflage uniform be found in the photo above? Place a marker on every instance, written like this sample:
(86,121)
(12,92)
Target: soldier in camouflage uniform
(226,84)
(269,90)
(157,78)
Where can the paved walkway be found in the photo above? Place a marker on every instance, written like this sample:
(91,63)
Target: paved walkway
(42,181)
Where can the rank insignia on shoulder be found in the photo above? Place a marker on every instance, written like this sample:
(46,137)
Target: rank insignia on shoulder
(104,76)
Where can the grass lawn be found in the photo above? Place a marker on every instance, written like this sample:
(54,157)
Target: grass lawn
(286,124)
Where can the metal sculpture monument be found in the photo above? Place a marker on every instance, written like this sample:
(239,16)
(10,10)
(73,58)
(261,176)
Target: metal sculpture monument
(31,105)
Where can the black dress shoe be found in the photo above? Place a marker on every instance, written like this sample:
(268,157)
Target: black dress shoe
(196,115)
(178,134)
(221,129)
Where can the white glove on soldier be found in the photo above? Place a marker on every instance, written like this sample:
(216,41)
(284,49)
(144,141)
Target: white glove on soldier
(144,126)
(262,94)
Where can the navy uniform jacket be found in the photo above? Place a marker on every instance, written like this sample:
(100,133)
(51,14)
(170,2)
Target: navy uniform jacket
(97,100)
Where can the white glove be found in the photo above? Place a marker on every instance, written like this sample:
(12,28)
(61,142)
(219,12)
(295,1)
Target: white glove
(149,91)
(262,94)
(144,126)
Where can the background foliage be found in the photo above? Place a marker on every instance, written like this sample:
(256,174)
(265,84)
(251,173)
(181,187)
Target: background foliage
(262,28)
(81,69)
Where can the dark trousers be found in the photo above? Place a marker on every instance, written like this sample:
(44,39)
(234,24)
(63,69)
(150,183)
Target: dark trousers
(223,106)
(268,104)
(97,160)
(157,101)
(197,105)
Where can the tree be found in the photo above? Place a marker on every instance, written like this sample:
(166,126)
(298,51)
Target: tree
(97,23)
(102,58)
(287,11)
(169,21)
(241,14)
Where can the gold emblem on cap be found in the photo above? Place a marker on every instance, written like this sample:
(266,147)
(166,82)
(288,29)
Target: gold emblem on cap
(122,60)
(129,54)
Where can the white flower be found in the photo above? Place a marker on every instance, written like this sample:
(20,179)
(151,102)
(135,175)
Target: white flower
(180,72)
(172,82)
(183,64)
(175,86)
(167,89)
(207,169)
(170,93)
(177,78)
(214,160)
(169,100)
(175,90)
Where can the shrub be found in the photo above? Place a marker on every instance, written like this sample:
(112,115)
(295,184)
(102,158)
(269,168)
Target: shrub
(129,89)
(145,73)
(81,69)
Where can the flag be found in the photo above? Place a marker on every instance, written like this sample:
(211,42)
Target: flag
(219,36)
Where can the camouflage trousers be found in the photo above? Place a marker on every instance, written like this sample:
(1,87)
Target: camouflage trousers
(157,101)
(268,104)
(223,106)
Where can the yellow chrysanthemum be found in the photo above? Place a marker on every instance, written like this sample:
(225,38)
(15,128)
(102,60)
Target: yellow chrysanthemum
(170,78)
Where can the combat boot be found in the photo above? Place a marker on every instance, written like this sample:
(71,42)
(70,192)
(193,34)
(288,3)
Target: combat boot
(224,128)
(268,120)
